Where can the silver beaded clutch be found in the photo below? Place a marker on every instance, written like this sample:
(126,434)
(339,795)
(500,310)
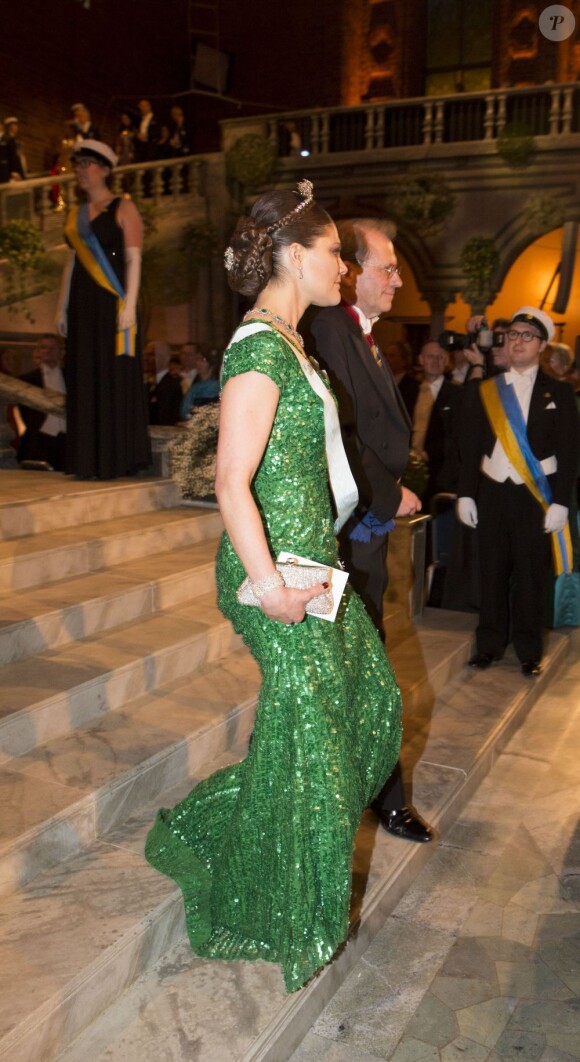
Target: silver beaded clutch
(299,577)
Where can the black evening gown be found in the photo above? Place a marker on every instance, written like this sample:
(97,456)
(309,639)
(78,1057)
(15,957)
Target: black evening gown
(107,432)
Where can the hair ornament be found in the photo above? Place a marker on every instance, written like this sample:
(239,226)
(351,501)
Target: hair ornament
(229,258)
(305,189)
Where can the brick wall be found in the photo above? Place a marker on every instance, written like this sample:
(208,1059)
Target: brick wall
(58,54)
(309,53)
(53,55)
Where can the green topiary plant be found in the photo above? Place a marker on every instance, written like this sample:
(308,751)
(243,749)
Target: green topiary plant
(515,144)
(251,161)
(421,202)
(479,260)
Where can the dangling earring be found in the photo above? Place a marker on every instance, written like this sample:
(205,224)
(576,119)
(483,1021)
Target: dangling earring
(300,273)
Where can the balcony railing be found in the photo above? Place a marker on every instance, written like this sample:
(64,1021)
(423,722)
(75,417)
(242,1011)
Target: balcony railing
(546,110)
(41,198)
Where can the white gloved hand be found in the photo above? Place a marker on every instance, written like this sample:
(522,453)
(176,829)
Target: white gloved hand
(555,518)
(127,316)
(61,317)
(467,511)
(61,321)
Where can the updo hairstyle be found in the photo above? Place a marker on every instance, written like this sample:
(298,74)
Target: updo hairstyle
(275,222)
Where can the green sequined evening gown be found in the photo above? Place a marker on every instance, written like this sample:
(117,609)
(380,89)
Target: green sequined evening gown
(262,850)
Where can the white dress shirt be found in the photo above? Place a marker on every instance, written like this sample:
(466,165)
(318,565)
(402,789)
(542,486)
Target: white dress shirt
(498,466)
(54,380)
(365,322)
(144,126)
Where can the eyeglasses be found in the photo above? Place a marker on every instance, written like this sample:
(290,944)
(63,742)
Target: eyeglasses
(84,163)
(526,336)
(390,270)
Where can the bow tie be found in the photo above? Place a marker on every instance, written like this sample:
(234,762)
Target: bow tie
(519,379)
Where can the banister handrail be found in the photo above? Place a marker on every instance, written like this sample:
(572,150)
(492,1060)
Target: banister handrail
(410,101)
(160,180)
(550,110)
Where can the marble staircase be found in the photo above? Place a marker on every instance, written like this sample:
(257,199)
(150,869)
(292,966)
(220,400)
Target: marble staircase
(121,686)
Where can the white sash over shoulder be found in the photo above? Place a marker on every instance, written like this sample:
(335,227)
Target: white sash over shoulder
(342,483)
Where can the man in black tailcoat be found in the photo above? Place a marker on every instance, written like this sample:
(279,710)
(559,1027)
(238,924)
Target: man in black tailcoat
(435,418)
(376,430)
(513,527)
(43,438)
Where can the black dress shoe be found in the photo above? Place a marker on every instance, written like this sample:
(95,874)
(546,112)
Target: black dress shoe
(480,660)
(405,823)
(531,668)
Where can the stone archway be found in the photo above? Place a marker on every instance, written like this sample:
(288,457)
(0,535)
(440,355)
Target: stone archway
(527,278)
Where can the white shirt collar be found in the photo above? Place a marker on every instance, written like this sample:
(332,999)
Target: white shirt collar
(436,385)
(528,376)
(365,322)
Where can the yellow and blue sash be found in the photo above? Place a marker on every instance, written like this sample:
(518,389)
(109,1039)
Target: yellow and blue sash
(507,421)
(90,252)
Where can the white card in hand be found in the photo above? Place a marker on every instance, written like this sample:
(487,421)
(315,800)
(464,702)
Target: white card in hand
(338,582)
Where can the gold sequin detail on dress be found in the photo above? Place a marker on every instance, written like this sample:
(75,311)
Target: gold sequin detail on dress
(262,850)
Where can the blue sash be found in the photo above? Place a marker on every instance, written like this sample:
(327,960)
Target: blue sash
(89,250)
(507,421)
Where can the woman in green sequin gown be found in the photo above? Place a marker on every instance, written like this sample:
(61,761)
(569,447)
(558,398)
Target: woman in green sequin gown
(262,850)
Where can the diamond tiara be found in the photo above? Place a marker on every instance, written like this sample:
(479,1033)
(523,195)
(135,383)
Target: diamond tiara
(305,189)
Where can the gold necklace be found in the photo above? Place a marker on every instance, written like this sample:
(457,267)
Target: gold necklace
(280,321)
(288,333)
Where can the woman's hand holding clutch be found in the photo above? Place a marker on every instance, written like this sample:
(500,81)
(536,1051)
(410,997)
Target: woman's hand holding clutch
(287,605)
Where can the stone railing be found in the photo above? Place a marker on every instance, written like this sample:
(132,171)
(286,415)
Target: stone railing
(41,198)
(544,110)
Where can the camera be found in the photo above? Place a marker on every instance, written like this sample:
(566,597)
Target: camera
(484,338)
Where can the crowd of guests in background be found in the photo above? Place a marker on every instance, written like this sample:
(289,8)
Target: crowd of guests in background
(142,135)
(176,381)
(435,389)
(179,382)
(431,387)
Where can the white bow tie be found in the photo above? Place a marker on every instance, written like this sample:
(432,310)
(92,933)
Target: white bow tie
(519,379)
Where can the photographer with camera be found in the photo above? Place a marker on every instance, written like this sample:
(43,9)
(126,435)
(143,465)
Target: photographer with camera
(519,444)
(483,347)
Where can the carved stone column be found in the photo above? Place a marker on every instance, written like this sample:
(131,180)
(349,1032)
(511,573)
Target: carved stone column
(438,301)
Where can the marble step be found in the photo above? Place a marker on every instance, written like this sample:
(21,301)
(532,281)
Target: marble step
(57,691)
(109,925)
(36,502)
(35,621)
(67,551)
(61,798)
(63,794)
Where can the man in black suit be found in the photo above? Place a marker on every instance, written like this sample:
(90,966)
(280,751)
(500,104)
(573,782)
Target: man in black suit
(513,527)
(169,393)
(83,126)
(375,428)
(147,134)
(42,436)
(435,421)
(10,164)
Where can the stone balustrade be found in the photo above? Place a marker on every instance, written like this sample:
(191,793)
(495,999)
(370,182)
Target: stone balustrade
(434,121)
(41,198)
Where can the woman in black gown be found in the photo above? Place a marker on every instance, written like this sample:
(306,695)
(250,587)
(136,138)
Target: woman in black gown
(107,432)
